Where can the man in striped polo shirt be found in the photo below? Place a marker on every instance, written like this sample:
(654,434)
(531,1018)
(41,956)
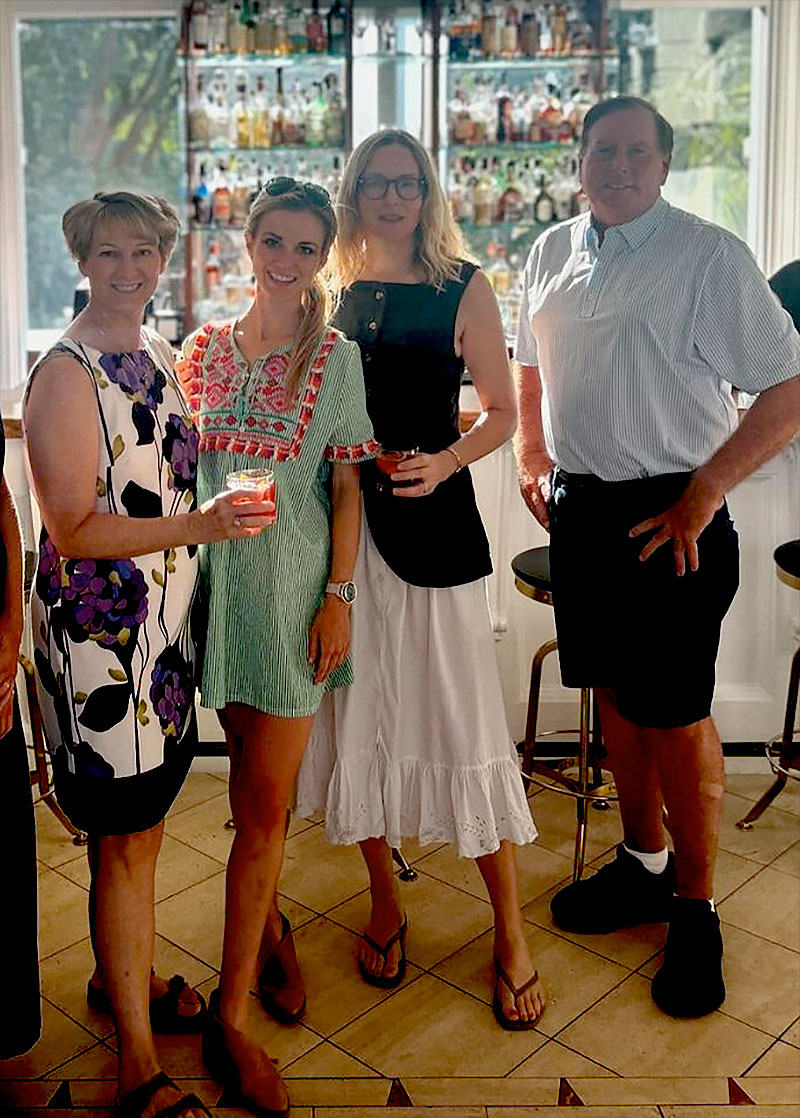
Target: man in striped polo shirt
(636,319)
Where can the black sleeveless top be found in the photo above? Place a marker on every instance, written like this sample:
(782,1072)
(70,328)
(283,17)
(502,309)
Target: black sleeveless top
(413,379)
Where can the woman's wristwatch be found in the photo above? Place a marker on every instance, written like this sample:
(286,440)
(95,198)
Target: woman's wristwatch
(347,591)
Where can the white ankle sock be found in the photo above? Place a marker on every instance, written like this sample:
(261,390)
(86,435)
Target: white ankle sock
(656,863)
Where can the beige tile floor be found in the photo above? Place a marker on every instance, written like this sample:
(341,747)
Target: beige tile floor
(432,1045)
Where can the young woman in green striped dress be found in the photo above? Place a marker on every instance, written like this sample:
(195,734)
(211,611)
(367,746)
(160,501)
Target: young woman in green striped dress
(279,388)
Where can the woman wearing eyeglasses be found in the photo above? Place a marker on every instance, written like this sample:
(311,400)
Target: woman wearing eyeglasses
(419,746)
(276,388)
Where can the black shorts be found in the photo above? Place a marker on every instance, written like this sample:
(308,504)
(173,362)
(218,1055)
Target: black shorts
(124,805)
(633,626)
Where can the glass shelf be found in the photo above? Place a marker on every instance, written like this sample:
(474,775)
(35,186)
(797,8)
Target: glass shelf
(259,61)
(540,62)
(279,149)
(485,151)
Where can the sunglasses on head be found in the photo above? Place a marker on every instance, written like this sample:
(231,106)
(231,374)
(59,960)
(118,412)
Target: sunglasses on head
(284,184)
(408,187)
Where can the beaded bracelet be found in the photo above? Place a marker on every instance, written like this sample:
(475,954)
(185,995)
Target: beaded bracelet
(459,463)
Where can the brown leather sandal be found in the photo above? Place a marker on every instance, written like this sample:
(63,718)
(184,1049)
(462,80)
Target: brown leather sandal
(509,1023)
(165,1012)
(134,1104)
(280,983)
(378,979)
(238,1063)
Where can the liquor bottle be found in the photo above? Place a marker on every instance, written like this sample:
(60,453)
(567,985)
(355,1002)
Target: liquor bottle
(250,19)
(558,22)
(265,30)
(200,27)
(315,126)
(240,197)
(220,197)
(219,27)
(293,124)
(336,20)
(543,208)
(277,112)
(529,33)
(237,30)
(509,36)
(334,118)
(296,30)
(260,115)
(219,122)
(282,46)
(242,117)
(315,30)
(490,31)
(198,115)
(499,273)
(511,205)
(213,270)
(201,200)
(483,197)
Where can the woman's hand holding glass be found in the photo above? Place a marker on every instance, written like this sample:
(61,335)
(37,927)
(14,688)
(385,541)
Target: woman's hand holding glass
(329,637)
(235,515)
(422,473)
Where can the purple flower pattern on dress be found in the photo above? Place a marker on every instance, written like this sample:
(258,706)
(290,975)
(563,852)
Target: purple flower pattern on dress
(171,690)
(106,598)
(48,575)
(180,451)
(136,375)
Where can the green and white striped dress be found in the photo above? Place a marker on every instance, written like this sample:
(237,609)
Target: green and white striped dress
(263,592)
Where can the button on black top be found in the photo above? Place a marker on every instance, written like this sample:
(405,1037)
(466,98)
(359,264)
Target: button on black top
(372,324)
(379,294)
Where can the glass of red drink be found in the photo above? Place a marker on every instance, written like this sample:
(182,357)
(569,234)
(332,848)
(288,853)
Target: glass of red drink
(258,483)
(387,462)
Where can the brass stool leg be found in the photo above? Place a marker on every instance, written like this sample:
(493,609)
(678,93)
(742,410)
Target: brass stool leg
(533,704)
(787,749)
(582,801)
(406,872)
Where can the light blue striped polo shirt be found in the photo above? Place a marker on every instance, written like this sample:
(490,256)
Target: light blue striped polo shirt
(639,340)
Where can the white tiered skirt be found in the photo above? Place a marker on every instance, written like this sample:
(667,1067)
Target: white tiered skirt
(418,746)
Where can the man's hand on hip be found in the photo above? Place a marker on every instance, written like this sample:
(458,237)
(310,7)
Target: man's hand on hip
(535,485)
(682,523)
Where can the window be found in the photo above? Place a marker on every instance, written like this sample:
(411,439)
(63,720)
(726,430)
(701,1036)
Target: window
(695,64)
(100,104)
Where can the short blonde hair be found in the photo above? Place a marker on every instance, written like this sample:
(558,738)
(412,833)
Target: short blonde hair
(316,301)
(440,246)
(148,213)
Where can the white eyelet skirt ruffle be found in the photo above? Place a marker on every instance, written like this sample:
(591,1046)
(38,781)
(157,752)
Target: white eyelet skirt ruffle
(418,746)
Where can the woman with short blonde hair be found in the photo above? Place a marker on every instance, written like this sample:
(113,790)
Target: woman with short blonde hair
(112,450)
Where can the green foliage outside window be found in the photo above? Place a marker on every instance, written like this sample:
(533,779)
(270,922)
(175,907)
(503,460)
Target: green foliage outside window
(100,111)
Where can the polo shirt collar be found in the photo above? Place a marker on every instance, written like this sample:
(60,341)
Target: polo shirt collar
(635,232)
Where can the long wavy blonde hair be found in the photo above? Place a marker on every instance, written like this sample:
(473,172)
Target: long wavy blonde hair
(317,300)
(440,246)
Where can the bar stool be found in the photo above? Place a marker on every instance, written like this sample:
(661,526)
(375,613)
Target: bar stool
(783,753)
(532,578)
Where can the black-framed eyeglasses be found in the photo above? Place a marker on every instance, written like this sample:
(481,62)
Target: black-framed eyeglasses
(284,184)
(408,187)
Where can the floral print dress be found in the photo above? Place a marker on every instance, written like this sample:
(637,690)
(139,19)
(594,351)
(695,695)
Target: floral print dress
(112,646)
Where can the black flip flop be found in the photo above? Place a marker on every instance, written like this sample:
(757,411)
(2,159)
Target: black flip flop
(378,979)
(513,1025)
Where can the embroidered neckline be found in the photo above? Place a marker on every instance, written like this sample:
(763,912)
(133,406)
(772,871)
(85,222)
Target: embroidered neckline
(215,401)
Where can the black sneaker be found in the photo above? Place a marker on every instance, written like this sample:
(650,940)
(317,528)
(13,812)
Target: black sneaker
(689,983)
(619,895)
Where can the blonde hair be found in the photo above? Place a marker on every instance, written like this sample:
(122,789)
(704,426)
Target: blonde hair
(440,247)
(316,301)
(147,213)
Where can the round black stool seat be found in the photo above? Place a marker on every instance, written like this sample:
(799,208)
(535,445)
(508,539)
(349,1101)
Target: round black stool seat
(532,574)
(787,559)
